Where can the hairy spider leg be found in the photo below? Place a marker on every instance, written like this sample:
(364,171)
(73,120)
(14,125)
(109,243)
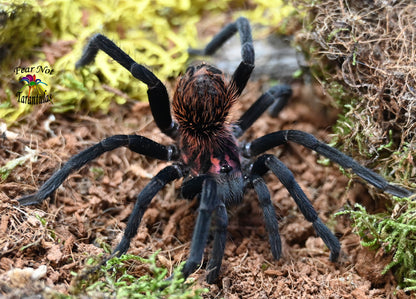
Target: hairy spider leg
(269,213)
(136,143)
(189,190)
(192,187)
(209,202)
(276,98)
(271,140)
(270,162)
(246,66)
(165,176)
(220,238)
(157,93)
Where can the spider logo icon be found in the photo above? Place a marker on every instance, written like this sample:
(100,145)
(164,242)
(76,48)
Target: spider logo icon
(33,83)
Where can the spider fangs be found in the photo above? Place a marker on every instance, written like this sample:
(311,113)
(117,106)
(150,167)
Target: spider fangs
(215,167)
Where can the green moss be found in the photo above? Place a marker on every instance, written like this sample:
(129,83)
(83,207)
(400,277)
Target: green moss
(114,281)
(394,232)
(21,30)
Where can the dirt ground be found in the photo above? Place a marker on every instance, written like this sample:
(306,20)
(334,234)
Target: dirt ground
(93,205)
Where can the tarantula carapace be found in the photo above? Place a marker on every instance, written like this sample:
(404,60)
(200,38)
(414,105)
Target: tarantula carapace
(216,168)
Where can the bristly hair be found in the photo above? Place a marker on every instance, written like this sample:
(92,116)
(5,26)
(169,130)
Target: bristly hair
(201,105)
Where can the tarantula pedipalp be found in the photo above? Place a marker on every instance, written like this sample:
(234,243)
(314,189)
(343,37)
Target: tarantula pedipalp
(215,166)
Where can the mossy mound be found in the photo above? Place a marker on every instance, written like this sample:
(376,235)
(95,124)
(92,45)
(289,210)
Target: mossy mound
(364,52)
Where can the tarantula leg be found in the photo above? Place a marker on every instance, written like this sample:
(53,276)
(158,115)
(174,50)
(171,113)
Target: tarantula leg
(190,189)
(269,215)
(243,71)
(160,180)
(275,98)
(266,162)
(136,143)
(220,236)
(157,93)
(282,98)
(271,140)
(193,187)
(208,203)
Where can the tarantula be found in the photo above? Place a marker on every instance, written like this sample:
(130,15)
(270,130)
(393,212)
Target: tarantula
(215,167)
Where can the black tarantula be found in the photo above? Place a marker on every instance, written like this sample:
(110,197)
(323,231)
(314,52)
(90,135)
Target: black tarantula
(214,165)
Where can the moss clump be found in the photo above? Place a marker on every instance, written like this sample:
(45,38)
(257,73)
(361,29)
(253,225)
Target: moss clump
(364,55)
(394,232)
(114,280)
(14,17)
